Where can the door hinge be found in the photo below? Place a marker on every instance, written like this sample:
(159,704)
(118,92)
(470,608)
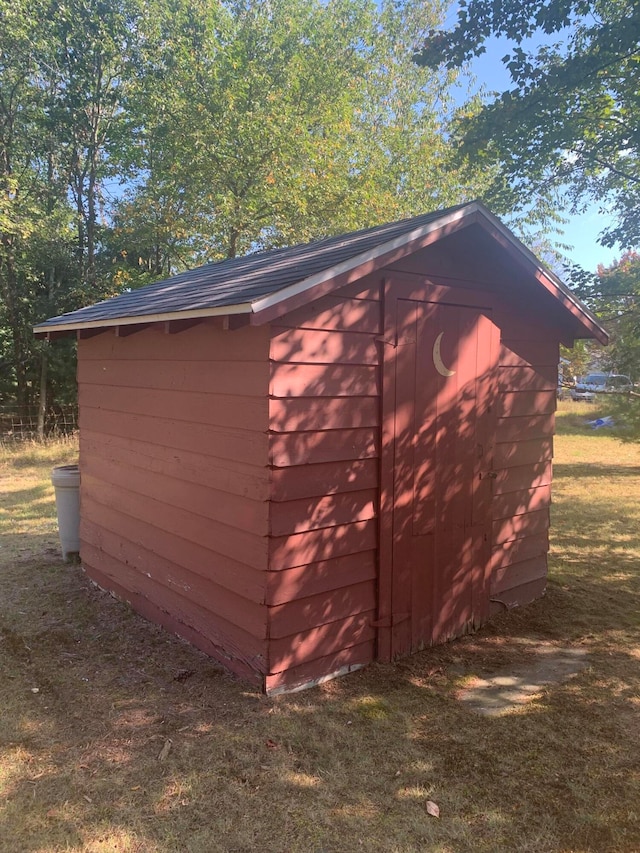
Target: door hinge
(391,620)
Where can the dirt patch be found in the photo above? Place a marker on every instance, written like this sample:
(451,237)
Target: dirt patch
(513,686)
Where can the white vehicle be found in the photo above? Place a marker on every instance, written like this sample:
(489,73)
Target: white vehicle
(600,383)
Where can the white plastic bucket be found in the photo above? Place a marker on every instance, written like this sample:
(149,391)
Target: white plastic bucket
(66,482)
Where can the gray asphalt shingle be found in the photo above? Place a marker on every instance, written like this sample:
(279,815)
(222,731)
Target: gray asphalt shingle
(245,279)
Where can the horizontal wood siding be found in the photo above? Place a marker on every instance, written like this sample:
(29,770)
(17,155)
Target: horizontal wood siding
(324,425)
(325,576)
(527,379)
(175,483)
(352,657)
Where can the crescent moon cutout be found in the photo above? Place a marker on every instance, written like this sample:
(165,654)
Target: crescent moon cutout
(437,358)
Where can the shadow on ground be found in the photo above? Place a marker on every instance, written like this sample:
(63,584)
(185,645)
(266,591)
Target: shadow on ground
(136,741)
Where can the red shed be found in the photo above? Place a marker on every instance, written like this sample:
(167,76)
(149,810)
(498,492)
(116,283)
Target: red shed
(310,458)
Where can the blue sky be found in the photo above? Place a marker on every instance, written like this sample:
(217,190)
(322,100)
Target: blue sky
(581,231)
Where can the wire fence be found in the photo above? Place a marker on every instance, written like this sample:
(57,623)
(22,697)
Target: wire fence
(21,423)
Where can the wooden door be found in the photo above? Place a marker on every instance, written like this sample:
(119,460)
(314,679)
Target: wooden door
(438,436)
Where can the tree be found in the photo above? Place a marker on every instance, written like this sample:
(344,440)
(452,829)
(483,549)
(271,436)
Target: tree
(571,121)
(267,124)
(62,71)
(21,185)
(575,361)
(94,48)
(614,295)
(139,137)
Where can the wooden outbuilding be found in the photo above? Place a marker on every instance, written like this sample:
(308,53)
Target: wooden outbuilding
(310,458)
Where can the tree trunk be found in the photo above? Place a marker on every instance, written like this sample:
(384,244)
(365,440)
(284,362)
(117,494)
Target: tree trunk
(44,353)
(232,245)
(9,284)
(94,162)
(78,176)
(91,216)
(42,400)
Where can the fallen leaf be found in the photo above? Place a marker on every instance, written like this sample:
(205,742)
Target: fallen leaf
(271,744)
(166,749)
(432,808)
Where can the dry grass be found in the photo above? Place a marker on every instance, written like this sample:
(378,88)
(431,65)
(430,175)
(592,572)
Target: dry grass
(345,767)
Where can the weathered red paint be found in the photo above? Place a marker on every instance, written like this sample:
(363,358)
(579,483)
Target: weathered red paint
(237,449)
(516,550)
(530,354)
(173,579)
(183,376)
(329,638)
(318,668)
(323,380)
(245,546)
(300,498)
(526,427)
(302,414)
(316,480)
(315,447)
(308,346)
(320,609)
(335,313)
(199,555)
(230,412)
(511,577)
(525,452)
(211,626)
(300,582)
(441,392)
(300,549)
(174,482)
(520,526)
(522,477)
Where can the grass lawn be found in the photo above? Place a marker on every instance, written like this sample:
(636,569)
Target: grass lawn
(115,736)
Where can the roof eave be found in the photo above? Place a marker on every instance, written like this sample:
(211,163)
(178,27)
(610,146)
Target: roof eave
(44,329)
(548,279)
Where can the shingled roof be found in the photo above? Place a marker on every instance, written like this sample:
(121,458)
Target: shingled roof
(255,283)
